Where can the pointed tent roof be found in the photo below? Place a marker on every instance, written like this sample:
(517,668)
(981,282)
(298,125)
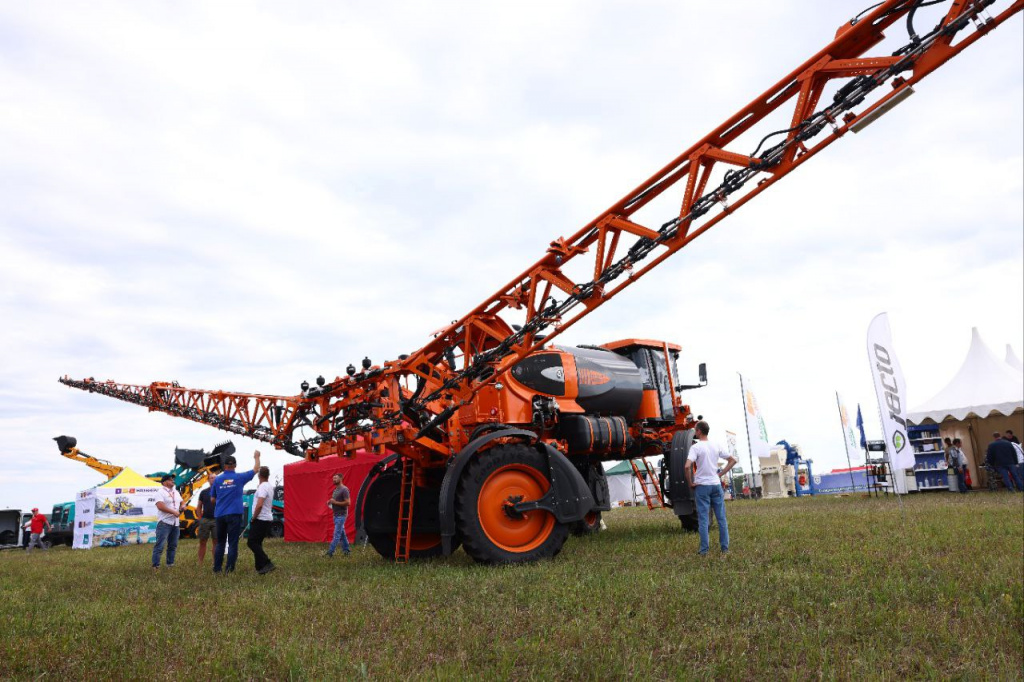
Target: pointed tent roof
(129,478)
(1012,360)
(984,384)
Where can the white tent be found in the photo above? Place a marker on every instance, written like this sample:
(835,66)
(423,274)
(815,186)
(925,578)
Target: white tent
(623,488)
(985,385)
(1012,360)
(985,396)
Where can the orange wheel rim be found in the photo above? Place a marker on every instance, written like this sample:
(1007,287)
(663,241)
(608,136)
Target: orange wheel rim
(511,483)
(590,519)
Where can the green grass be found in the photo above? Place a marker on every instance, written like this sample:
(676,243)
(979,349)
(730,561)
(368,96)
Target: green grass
(823,587)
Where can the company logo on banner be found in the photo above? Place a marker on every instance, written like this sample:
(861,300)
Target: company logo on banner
(891,391)
(757,434)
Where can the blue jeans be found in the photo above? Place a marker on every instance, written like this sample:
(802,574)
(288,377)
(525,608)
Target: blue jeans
(229,528)
(165,532)
(711,497)
(1011,478)
(963,479)
(339,536)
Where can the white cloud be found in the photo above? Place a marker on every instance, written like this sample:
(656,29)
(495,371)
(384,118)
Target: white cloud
(246,196)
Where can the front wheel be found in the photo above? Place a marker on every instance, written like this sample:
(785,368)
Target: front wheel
(689,522)
(491,530)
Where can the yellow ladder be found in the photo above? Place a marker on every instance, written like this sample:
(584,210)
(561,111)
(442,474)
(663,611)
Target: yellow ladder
(648,482)
(405,500)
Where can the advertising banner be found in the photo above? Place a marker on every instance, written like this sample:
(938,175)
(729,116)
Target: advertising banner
(730,444)
(891,392)
(849,427)
(124,510)
(84,508)
(757,434)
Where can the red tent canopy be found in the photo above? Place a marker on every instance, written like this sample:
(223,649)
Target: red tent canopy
(308,486)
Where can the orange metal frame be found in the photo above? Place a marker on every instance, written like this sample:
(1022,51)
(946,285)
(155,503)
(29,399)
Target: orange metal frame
(364,410)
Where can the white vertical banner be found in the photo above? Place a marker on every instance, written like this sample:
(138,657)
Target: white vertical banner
(849,428)
(757,434)
(84,515)
(891,391)
(730,445)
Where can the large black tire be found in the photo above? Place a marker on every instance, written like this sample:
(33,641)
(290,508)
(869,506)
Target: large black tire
(380,514)
(277,529)
(590,524)
(490,531)
(689,522)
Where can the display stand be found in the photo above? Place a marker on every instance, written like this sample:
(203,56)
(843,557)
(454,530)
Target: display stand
(929,458)
(879,477)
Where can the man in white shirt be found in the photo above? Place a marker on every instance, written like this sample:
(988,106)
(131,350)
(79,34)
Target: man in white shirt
(707,485)
(262,521)
(169,506)
(959,464)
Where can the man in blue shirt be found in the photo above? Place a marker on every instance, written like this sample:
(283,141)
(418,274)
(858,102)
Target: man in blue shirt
(226,494)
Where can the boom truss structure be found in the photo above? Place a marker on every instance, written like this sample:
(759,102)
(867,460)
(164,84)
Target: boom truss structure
(412,405)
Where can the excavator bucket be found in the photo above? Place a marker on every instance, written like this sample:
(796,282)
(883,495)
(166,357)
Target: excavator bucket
(66,443)
(197,459)
(190,458)
(219,454)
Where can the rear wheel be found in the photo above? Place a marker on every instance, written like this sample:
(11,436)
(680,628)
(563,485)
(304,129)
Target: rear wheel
(590,524)
(277,529)
(491,530)
(380,514)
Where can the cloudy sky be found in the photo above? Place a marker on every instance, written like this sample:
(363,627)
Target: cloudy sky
(243,196)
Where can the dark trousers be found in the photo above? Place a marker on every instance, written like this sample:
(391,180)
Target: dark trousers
(258,530)
(1010,479)
(229,527)
(963,479)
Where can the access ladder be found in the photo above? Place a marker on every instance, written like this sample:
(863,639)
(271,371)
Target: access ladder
(644,473)
(405,501)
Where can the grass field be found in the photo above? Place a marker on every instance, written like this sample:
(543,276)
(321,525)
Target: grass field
(823,587)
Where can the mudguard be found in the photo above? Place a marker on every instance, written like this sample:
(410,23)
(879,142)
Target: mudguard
(446,501)
(570,499)
(360,498)
(680,493)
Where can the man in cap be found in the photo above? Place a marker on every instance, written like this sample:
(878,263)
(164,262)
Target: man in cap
(169,506)
(36,523)
(226,495)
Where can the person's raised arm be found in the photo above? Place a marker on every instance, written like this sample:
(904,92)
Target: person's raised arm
(256,461)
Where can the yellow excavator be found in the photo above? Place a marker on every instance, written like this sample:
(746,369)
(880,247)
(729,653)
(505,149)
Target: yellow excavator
(192,469)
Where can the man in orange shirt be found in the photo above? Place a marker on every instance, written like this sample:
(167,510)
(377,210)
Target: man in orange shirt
(36,529)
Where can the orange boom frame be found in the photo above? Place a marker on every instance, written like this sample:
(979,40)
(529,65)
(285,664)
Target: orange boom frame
(507,464)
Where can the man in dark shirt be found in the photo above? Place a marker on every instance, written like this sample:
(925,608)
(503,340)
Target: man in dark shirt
(339,503)
(1003,458)
(207,526)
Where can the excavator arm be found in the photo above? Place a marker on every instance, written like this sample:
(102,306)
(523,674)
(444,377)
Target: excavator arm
(411,404)
(69,448)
